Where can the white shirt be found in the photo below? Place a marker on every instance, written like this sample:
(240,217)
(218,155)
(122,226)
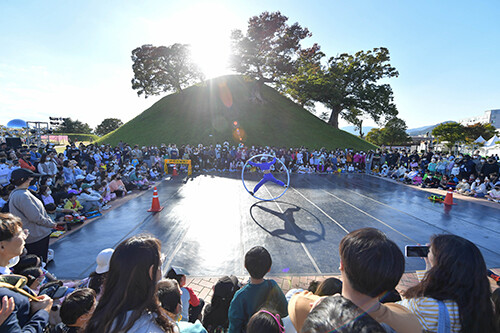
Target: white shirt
(5,270)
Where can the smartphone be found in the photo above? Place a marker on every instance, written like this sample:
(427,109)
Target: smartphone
(416,250)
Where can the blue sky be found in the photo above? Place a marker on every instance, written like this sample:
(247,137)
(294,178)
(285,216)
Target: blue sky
(72,58)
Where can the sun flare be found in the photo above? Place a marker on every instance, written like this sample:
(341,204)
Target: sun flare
(207,29)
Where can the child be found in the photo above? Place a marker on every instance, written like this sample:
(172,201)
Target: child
(191,304)
(76,310)
(73,204)
(169,295)
(215,313)
(258,293)
(494,194)
(265,321)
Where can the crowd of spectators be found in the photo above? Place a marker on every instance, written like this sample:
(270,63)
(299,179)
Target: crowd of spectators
(475,175)
(128,292)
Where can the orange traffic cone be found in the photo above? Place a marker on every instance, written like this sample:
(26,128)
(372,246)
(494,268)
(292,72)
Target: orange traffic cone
(155,205)
(448,200)
(174,173)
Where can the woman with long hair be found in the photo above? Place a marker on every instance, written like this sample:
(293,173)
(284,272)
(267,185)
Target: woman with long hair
(129,302)
(455,277)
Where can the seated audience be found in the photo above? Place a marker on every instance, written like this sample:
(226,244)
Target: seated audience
(215,314)
(338,314)
(191,304)
(455,283)
(265,321)
(370,266)
(169,295)
(76,310)
(129,302)
(28,315)
(258,293)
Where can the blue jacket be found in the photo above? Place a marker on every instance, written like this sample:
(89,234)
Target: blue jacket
(263,166)
(250,299)
(20,320)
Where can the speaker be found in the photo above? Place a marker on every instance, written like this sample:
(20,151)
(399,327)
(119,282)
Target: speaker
(13,143)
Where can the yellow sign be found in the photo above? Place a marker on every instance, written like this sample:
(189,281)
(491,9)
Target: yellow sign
(169,161)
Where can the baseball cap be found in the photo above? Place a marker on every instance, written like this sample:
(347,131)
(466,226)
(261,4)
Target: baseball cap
(23,173)
(102,260)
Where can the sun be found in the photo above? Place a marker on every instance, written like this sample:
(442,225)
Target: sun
(207,28)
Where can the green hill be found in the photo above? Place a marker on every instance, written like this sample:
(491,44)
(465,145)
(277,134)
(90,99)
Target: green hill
(219,110)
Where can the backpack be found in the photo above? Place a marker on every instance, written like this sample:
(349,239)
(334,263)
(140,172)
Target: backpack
(215,315)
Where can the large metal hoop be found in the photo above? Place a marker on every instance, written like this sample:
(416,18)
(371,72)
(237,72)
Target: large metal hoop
(271,156)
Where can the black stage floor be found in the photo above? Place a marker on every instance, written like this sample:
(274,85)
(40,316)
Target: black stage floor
(209,222)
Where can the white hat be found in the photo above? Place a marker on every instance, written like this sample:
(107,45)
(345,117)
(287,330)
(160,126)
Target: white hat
(102,261)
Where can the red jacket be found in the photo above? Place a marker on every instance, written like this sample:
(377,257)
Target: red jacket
(26,165)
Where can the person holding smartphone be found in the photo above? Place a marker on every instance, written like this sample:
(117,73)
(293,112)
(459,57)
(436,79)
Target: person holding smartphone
(454,292)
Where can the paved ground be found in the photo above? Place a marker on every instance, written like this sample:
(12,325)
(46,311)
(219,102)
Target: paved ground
(209,222)
(202,286)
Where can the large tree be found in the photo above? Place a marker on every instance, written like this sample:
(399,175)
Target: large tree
(474,131)
(268,50)
(393,133)
(108,125)
(375,136)
(449,133)
(349,86)
(73,126)
(299,86)
(163,68)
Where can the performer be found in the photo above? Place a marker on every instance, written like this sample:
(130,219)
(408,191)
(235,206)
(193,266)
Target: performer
(266,168)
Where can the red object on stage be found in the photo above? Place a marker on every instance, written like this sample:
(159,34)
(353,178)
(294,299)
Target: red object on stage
(448,200)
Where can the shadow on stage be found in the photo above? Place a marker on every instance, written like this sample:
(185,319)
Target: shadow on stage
(291,231)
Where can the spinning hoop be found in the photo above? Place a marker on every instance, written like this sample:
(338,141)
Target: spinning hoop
(271,156)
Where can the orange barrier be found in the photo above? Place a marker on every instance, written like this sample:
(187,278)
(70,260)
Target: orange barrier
(169,161)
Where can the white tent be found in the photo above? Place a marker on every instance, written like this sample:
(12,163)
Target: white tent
(491,142)
(480,140)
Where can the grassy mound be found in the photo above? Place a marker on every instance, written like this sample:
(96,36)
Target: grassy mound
(219,110)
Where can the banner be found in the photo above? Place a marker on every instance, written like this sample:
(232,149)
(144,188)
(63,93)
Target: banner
(58,139)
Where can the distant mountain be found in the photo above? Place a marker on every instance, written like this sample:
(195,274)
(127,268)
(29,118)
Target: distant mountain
(353,130)
(422,130)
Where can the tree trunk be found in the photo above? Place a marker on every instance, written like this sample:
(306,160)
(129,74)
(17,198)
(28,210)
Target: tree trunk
(256,96)
(334,117)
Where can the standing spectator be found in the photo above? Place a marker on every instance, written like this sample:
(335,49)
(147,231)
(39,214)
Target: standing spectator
(31,212)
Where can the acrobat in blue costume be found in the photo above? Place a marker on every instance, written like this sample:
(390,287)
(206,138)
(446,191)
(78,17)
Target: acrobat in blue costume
(266,168)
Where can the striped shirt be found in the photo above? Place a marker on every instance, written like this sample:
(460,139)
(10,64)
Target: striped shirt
(427,311)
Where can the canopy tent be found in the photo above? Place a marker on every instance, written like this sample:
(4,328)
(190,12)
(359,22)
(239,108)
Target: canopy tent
(480,140)
(491,142)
